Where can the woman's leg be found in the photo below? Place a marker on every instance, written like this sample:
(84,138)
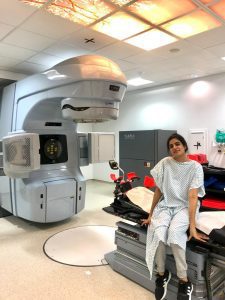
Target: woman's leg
(157,231)
(177,238)
(160,258)
(180,260)
(163,276)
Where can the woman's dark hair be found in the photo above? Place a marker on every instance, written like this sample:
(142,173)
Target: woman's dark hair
(179,138)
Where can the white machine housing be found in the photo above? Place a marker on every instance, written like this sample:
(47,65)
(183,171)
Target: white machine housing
(46,107)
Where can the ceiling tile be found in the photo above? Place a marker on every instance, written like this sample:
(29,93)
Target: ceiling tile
(208,39)
(11,75)
(144,58)
(218,50)
(190,61)
(146,73)
(45,59)
(201,55)
(14,12)
(213,63)
(5,29)
(217,70)
(188,71)
(49,25)
(28,68)
(171,51)
(134,73)
(175,49)
(157,76)
(89,39)
(119,50)
(28,40)
(165,65)
(8,62)
(125,65)
(65,51)
(15,52)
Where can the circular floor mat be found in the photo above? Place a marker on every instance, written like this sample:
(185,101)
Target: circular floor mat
(81,246)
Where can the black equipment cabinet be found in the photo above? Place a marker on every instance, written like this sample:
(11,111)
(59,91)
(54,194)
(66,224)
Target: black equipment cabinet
(140,150)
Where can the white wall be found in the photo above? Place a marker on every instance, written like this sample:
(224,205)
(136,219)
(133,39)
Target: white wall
(180,106)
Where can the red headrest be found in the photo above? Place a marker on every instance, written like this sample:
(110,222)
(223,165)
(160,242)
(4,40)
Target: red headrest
(113,176)
(149,182)
(131,175)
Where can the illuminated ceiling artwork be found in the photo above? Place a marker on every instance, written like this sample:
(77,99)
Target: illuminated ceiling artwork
(147,24)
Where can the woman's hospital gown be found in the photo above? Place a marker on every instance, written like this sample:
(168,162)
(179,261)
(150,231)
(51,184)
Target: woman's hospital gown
(170,219)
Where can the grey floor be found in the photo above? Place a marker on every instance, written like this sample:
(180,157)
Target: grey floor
(27,273)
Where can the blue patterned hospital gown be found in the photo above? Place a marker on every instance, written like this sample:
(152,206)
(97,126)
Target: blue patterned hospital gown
(174,179)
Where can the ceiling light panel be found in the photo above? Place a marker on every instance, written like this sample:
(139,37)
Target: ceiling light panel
(36,3)
(151,39)
(191,24)
(207,1)
(120,2)
(138,81)
(80,11)
(156,22)
(121,26)
(159,11)
(219,9)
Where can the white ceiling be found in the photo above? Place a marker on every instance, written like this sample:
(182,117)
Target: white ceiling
(32,40)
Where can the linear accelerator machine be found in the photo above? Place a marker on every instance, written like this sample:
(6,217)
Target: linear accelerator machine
(42,150)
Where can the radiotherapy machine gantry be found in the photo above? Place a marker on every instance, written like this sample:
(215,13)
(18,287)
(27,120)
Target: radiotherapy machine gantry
(42,150)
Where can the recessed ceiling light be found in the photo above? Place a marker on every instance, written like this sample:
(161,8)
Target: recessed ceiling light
(151,39)
(138,81)
(223,58)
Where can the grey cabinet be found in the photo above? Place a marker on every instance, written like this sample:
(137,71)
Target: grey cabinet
(140,150)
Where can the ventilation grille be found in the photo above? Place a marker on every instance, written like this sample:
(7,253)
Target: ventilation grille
(17,152)
(21,154)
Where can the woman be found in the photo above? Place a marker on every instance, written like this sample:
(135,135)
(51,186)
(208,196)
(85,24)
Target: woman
(179,183)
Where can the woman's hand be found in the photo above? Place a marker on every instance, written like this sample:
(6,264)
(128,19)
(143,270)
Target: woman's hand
(197,235)
(146,221)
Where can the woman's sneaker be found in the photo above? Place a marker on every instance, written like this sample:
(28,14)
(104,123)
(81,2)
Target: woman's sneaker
(161,285)
(185,290)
